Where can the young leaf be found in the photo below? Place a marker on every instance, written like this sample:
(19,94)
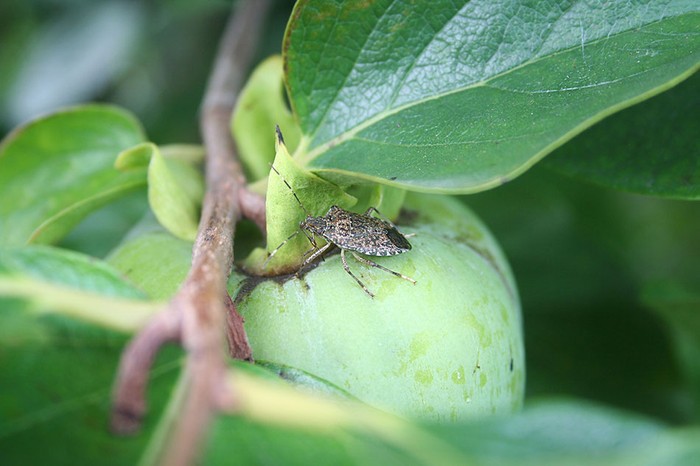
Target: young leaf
(175,191)
(259,108)
(57,169)
(134,157)
(462,96)
(175,185)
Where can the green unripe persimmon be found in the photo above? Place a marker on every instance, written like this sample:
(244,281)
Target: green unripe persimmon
(448,348)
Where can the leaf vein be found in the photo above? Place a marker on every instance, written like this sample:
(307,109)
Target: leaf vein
(351,69)
(352,132)
(408,71)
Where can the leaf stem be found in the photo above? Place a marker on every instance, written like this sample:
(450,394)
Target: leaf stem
(200,314)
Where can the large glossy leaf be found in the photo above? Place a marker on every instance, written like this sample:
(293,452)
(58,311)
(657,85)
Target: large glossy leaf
(56,170)
(652,148)
(461,96)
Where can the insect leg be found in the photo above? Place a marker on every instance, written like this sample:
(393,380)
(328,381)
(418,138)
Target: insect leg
(347,269)
(313,250)
(374,264)
(316,253)
(274,251)
(310,237)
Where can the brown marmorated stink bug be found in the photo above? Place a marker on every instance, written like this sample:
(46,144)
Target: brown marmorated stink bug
(349,231)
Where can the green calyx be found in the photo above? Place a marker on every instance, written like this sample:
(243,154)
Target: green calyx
(285,211)
(293,193)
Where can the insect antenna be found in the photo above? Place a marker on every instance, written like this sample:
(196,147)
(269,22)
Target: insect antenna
(274,251)
(292,190)
(310,238)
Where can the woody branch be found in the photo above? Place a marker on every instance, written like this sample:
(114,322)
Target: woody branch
(200,313)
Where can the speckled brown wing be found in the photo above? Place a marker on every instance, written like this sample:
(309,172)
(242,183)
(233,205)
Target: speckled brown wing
(364,234)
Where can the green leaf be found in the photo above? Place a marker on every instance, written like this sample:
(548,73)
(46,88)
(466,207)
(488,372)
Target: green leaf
(175,184)
(191,153)
(56,170)
(652,148)
(573,432)
(134,157)
(156,261)
(56,394)
(259,108)
(139,156)
(462,96)
(275,424)
(64,320)
(54,280)
(175,192)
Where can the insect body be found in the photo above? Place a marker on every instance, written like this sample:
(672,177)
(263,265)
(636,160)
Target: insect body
(349,231)
(362,233)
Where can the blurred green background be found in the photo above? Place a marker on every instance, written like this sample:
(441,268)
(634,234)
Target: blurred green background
(151,57)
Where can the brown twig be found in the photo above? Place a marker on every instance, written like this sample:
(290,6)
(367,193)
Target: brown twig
(253,207)
(198,315)
(137,359)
